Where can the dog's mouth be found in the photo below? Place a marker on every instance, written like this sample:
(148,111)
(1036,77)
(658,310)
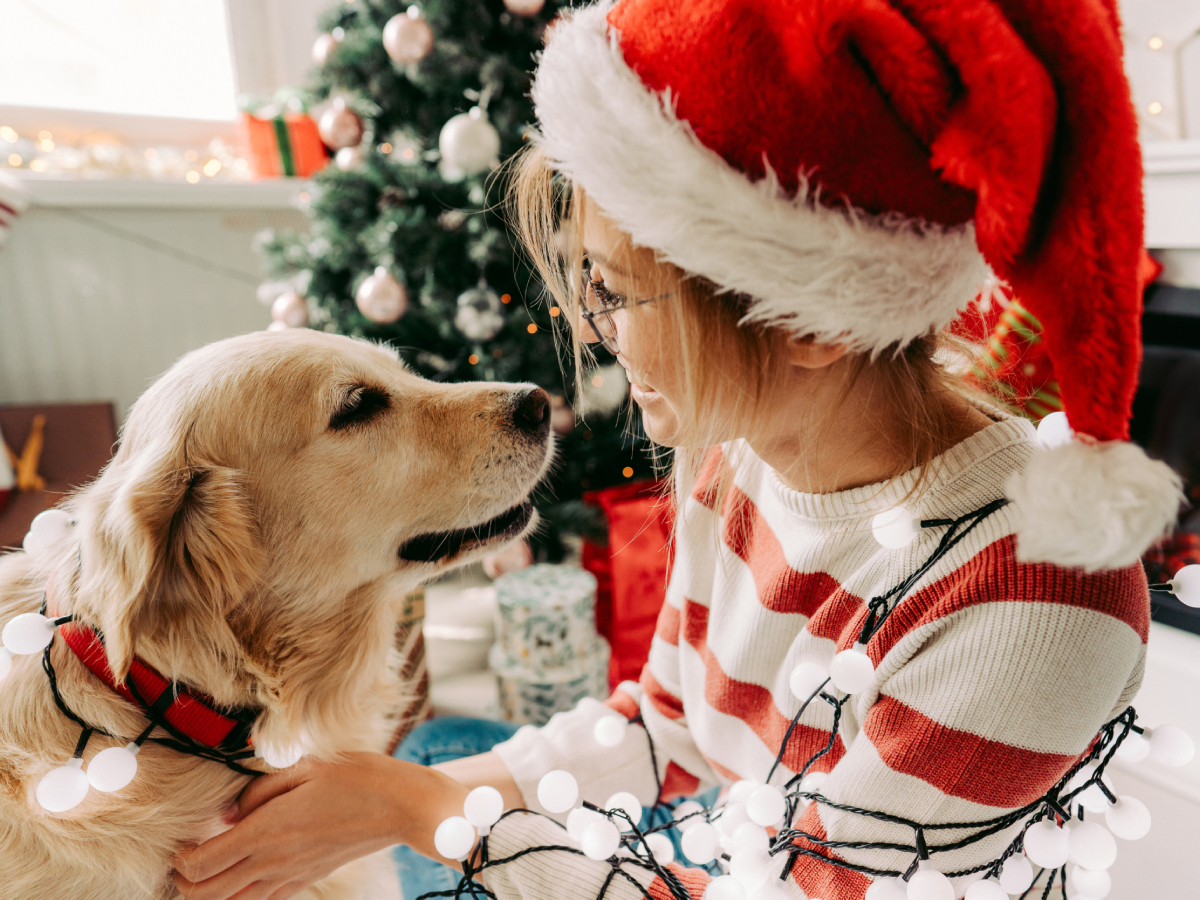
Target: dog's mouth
(439,545)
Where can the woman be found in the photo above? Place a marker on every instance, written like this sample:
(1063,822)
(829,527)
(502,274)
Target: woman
(774,211)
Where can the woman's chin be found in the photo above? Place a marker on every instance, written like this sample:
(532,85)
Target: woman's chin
(661,426)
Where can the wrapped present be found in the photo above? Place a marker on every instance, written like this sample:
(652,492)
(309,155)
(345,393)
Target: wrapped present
(282,142)
(8,480)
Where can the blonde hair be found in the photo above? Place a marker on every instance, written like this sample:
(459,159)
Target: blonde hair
(707,323)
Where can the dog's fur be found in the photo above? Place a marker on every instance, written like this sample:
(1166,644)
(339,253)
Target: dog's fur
(242,545)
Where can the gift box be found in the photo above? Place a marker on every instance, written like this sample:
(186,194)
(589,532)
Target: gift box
(282,143)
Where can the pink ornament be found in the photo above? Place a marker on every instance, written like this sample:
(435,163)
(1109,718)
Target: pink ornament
(381,298)
(524,7)
(562,416)
(340,127)
(322,47)
(407,38)
(516,555)
(290,309)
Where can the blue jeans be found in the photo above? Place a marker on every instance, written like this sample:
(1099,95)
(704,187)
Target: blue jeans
(452,737)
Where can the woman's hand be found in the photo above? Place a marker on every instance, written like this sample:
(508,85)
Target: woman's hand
(295,827)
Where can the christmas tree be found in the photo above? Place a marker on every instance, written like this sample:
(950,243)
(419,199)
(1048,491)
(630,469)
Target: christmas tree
(408,242)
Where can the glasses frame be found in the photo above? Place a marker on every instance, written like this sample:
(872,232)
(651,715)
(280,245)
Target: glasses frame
(608,305)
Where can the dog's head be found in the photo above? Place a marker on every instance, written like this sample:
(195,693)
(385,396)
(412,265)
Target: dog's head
(274,492)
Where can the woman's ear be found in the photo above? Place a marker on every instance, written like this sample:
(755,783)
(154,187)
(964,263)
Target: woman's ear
(808,353)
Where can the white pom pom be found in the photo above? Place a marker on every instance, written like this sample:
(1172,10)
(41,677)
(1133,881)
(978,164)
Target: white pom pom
(1054,431)
(986,890)
(610,730)
(928,883)
(661,848)
(580,818)
(600,840)
(852,670)
(765,806)
(1170,745)
(700,843)
(749,867)
(1086,883)
(1016,875)
(623,800)
(806,678)
(739,791)
(454,838)
(1186,585)
(895,528)
(687,812)
(63,788)
(725,888)
(483,807)
(1128,818)
(1046,844)
(749,836)
(889,889)
(28,633)
(47,528)
(558,791)
(1091,845)
(1134,748)
(113,768)
(5,662)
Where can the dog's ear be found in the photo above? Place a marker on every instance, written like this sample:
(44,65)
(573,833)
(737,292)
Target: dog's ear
(182,545)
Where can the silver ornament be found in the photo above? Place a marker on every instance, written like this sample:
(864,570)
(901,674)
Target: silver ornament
(348,158)
(340,126)
(290,309)
(322,47)
(479,314)
(407,37)
(381,298)
(524,7)
(469,144)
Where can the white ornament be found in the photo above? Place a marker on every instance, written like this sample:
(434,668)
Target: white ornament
(407,37)
(479,317)
(1186,585)
(1092,884)
(483,806)
(765,806)
(28,633)
(660,847)
(1046,844)
(684,812)
(277,326)
(1016,875)
(632,807)
(5,662)
(579,819)
(47,528)
(806,678)
(1128,818)
(322,47)
(1091,845)
(469,144)
(1134,748)
(63,788)
(986,890)
(524,7)
(290,309)
(340,126)
(927,883)
(889,889)
(895,528)
(1170,745)
(1054,431)
(739,791)
(700,843)
(454,838)
(852,670)
(749,836)
(381,298)
(749,867)
(726,887)
(558,791)
(113,768)
(600,840)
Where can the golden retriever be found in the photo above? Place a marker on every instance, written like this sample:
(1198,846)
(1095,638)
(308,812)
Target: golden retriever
(274,498)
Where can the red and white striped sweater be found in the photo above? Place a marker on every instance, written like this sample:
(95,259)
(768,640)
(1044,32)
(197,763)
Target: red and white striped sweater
(992,676)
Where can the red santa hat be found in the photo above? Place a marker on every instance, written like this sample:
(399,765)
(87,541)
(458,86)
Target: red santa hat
(859,168)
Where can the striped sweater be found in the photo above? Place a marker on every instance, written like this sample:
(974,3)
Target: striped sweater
(991,676)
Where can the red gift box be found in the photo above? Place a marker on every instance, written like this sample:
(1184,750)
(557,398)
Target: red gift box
(286,144)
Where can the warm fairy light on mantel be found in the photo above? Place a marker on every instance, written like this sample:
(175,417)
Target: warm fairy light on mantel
(192,176)
(8,135)
(1154,108)
(212,167)
(1155,43)
(37,165)
(14,160)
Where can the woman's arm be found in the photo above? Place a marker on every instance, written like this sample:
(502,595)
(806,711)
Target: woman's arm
(485,769)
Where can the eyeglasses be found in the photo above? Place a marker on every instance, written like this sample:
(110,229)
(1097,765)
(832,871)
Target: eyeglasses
(597,303)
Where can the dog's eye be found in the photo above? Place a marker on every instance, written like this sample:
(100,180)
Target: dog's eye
(361,405)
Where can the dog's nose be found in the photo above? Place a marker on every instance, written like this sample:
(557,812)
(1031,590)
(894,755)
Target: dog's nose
(531,412)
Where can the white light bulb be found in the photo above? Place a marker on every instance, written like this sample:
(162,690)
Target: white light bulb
(6,658)
(928,883)
(812,784)
(1134,748)
(609,731)
(749,836)
(986,890)
(1016,875)
(1128,818)
(1170,745)
(1091,798)
(805,679)
(895,528)
(1091,845)
(113,768)
(626,801)
(749,867)
(889,889)
(726,887)
(700,843)
(739,791)
(454,838)
(558,791)
(580,818)
(63,788)
(661,848)
(1186,585)
(774,890)
(765,806)
(1054,430)
(28,633)
(1094,885)
(281,757)
(600,840)
(483,806)
(687,812)
(46,529)
(1046,844)
(731,817)
(852,670)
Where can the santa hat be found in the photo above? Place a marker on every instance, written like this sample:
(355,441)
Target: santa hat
(859,168)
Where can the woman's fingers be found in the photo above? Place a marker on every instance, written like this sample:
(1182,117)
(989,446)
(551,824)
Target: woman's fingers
(234,882)
(268,787)
(215,855)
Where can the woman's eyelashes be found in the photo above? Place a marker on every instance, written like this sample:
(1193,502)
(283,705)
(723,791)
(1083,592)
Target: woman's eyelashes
(609,298)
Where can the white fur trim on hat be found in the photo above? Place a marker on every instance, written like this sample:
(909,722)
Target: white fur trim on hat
(837,274)
(1095,506)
